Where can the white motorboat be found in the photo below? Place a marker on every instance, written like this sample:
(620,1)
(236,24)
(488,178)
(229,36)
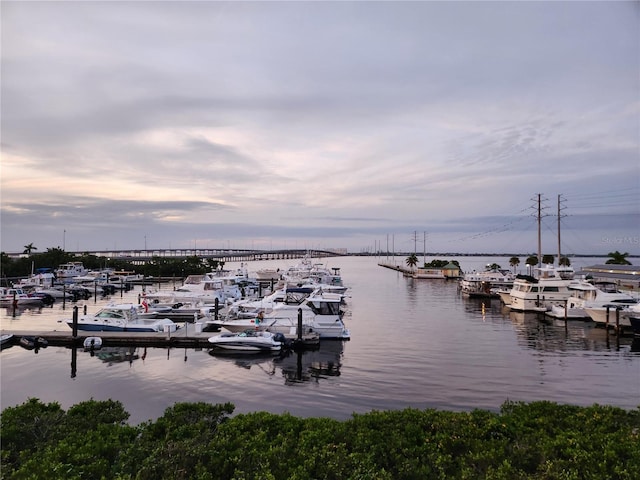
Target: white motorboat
(6,340)
(267,274)
(43,279)
(538,294)
(250,341)
(242,309)
(204,289)
(486,284)
(66,271)
(589,295)
(613,314)
(320,314)
(92,343)
(17,297)
(122,318)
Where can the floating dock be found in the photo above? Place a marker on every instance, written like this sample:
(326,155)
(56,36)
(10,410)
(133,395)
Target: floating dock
(187,336)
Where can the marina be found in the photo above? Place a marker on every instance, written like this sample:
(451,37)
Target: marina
(414,343)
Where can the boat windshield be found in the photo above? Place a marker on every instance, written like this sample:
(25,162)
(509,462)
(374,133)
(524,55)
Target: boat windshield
(109,314)
(325,308)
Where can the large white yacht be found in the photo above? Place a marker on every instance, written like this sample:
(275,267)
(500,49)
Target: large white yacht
(320,314)
(537,294)
(487,283)
(585,294)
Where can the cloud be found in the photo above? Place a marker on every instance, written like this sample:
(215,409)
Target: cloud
(339,121)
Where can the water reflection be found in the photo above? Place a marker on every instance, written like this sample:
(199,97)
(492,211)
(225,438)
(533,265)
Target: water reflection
(539,332)
(296,366)
(264,362)
(111,355)
(312,365)
(19,310)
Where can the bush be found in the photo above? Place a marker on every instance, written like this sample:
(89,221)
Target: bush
(539,440)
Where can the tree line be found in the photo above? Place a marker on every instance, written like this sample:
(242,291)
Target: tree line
(615,258)
(12,268)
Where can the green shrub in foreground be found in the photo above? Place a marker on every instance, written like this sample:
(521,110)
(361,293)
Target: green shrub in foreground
(540,440)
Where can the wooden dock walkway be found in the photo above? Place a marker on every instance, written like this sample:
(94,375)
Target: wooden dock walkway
(398,268)
(186,336)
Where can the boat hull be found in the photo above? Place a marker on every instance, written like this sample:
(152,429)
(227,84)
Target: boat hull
(96,327)
(248,341)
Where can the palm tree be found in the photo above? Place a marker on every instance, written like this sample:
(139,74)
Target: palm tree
(29,248)
(547,259)
(531,261)
(514,262)
(412,260)
(618,258)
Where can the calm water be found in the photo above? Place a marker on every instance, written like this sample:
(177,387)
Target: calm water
(415,343)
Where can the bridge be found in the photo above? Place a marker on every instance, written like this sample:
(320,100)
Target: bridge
(142,256)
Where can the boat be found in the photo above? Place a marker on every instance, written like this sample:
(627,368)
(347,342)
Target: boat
(320,313)
(634,320)
(613,314)
(249,340)
(18,297)
(44,278)
(66,271)
(122,318)
(92,343)
(205,289)
(6,340)
(586,294)
(537,294)
(267,274)
(31,342)
(486,284)
(177,312)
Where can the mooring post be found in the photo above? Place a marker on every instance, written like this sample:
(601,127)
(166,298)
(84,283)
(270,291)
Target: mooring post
(75,322)
(617,320)
(299,324)
(216,305)
(606,320)
(85,309)
(64,295)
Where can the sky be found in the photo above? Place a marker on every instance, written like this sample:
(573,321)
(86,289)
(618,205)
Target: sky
(400,126)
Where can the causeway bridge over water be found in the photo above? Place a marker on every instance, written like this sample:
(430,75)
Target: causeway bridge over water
(142,256)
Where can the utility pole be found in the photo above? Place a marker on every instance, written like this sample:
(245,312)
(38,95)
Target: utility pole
(539,219)
(559,217)
(424,247)
(539,231)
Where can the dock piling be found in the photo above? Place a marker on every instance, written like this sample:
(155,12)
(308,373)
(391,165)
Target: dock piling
(75,322)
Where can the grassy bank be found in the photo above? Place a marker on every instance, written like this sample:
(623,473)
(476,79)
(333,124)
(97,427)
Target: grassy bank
(540,440)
